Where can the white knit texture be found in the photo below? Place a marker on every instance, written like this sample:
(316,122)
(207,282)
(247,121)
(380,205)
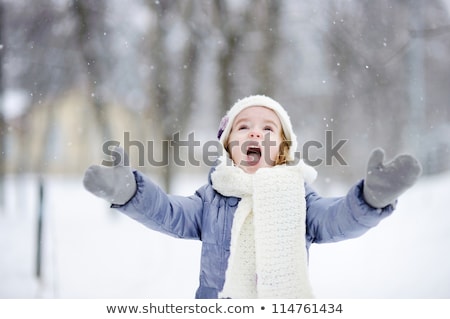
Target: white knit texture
(268,257)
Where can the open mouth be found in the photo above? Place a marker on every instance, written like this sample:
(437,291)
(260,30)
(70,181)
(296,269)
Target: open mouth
(253,155)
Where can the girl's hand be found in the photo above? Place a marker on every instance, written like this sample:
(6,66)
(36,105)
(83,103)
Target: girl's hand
(385,182)
(115,184)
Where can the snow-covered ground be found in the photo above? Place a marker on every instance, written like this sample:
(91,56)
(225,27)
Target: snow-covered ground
(91,251)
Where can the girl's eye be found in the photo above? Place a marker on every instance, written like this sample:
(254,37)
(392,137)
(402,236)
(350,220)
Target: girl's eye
(242,127)
(268,128)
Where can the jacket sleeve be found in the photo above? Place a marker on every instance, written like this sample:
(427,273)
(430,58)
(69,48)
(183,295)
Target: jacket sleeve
(177,216)
(331,219)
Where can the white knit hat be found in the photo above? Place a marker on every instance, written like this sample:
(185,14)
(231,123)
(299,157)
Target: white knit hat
(258,100)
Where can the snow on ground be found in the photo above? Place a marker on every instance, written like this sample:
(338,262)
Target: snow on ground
(91,251)
(405,256)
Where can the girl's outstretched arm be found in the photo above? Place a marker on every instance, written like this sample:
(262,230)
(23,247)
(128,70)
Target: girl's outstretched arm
(177,216)
(366,204)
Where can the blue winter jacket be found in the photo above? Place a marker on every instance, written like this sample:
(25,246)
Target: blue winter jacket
(208,216)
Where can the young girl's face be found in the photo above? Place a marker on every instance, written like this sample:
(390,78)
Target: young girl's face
(255,138)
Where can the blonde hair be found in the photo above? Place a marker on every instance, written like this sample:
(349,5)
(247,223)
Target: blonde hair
(283,150)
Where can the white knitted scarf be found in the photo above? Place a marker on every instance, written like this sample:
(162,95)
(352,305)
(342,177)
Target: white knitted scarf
(268,257)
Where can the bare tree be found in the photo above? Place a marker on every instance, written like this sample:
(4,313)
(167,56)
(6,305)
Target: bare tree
(89,16)
(250,41)
(231,35)
(232,27)
(369,92)
(37,66)
(172,85)
(3,126)
(267,23)
(380,56)
(367,45)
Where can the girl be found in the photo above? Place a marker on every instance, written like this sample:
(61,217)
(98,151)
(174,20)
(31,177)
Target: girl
(257,216)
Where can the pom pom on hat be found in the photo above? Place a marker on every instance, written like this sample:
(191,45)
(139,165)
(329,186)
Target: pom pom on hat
(258,100)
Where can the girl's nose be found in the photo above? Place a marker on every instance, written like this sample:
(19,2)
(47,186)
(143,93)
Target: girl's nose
(255,134)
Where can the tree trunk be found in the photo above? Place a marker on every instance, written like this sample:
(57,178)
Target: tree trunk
(92,60)
(3,126)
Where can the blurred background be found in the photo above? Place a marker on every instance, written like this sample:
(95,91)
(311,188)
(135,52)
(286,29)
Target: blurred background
(77,73)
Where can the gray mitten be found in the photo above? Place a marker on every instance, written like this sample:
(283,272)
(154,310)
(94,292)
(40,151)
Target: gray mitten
(384,183)
(115,184)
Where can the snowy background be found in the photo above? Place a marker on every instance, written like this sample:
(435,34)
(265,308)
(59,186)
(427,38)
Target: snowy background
(75,74)
(91,251)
